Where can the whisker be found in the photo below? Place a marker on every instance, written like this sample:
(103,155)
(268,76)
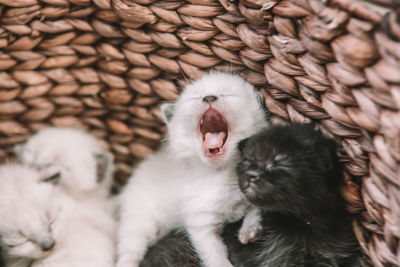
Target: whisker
(194,98)
(229,96)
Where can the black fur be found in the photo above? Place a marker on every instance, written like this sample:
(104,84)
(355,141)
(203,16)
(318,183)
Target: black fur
(1,260)
(172,250)
(294,176)
(305,223)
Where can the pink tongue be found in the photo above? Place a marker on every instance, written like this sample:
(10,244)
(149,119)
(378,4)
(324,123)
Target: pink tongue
(213,140)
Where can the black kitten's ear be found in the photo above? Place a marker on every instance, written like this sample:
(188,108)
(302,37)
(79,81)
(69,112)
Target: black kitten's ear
(328,158)
(167,112)
(242,144)
(53,179)
(104,162)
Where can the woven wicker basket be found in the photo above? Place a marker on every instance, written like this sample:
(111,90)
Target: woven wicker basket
(105,65)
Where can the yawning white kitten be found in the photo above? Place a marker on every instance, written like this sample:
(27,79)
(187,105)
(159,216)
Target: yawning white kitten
(191,181)
(28,211)
(74,162)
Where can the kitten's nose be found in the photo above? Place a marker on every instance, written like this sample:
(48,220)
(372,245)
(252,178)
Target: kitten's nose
(252,176)
(47,244)
(210,98)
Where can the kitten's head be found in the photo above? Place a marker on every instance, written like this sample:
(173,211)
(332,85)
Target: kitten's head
(211,116)
(70,158)
(288,168)
(28,211)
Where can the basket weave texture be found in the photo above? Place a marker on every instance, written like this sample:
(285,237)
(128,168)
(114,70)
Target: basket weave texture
(106,65)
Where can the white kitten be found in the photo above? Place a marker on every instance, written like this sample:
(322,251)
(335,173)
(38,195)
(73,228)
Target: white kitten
(84,236)
(75,159)
(82,172)
(28,211)
(191,181)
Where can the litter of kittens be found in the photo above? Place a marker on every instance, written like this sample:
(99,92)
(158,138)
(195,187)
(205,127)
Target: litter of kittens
(105,67)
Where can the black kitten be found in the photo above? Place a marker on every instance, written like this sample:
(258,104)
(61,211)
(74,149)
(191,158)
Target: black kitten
(292,174)
(173,250)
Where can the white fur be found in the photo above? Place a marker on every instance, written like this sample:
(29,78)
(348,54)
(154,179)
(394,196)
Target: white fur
(179,186)
(28,210)
(73,154)
(87,238)
(252,226)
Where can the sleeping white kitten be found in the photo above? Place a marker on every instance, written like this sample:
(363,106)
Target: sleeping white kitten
(191,181)
(73,158)
(28,211)
(40,226)
(74,162)
(85,237)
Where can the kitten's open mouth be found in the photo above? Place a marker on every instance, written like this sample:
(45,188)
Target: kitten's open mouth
(214,132)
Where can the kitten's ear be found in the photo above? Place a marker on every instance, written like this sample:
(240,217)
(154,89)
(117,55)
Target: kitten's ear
(104,161)
(19,149)
(167,112)
(242,144)
(261,102)
(328,158)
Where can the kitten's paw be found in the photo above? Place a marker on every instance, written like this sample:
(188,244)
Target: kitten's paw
(250,234)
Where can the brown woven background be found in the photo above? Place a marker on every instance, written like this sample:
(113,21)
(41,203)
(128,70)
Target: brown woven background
(106,65)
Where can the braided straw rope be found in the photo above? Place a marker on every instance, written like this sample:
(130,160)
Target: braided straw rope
(105,66)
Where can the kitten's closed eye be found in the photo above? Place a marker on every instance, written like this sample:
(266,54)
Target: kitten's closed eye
(14,245)
(53,178)
(281,161)
(18,239)
(280,157)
